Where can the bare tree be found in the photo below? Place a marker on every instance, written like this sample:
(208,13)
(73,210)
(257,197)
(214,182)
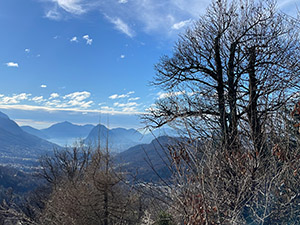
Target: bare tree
(228,85)
(235,66)
(87,189)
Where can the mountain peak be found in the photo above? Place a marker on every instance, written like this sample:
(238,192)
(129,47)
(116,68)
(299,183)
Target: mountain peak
(66,123)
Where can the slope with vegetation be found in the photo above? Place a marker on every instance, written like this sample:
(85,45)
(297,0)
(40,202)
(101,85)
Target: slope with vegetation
(19,148)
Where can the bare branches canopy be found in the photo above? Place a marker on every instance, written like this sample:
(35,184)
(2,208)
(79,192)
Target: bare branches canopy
(236,64)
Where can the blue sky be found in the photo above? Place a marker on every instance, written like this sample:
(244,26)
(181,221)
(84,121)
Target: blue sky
(81,60)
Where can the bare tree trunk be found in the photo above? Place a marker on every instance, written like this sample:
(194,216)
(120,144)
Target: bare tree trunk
(232,98)
(253,103)
(220,91)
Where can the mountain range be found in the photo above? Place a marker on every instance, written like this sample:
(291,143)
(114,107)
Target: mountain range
(118,139)
(23,146)
(18,147)
(64,133)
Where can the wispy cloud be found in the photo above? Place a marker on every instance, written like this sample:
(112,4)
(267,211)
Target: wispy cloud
(60,7)
(134,99)
(181,24)
(128,104)
(121,26)
(104,109)
(74,39)
(38,99)
(122,56)
(53,14)
(43,86)
(116,96)
(71,6)
(89,41)
(12,64)
(147,15)
(27,50)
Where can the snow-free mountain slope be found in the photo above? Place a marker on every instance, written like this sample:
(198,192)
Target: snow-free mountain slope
(67,129)
(18,146)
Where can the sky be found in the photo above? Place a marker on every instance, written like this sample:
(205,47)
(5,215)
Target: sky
(88,61)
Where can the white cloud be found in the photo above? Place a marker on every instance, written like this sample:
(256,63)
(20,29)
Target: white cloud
(121,26)
(78,99)
(129,109)
(79,96)
(27,50)
(134,99)
(103,109)
(38,99)
(14,99)
(89,41)
(71,6)
(122,56)
(81,104)
(181,24)
(56,103)
(76,102)
(116,96)
(54,95)
(122,105)
(150,15)
(76,7)
(169,94)
(74,39)
(53,14)
(107,108)
(43,86)
(12,64)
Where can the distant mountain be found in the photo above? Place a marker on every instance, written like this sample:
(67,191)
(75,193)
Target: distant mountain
(137,160)
(67,130)
(147,138)
(35,132)
(18,147)
(119,139)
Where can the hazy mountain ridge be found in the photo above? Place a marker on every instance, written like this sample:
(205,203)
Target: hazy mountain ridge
(64,133)
(23,146)
(35,132)
(138,160)
(119,139)
(19,147)
(67,129)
